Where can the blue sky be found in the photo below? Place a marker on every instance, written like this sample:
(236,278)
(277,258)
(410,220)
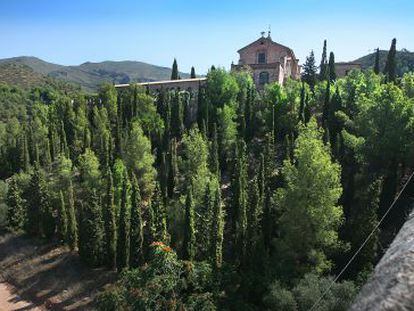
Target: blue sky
(199,33)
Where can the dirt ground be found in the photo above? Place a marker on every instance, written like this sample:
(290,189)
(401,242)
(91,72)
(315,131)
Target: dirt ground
(10,301)
(48,276)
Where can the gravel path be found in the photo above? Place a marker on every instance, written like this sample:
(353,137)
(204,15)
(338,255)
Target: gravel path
(12,302)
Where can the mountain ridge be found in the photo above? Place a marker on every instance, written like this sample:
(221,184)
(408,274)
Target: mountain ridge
(89,75)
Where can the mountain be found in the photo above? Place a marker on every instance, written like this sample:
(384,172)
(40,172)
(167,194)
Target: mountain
(404,59)
(90,75)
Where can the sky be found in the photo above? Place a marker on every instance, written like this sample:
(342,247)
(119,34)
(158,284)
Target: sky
(198,33)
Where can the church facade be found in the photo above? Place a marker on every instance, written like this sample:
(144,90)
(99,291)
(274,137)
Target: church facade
(268,61)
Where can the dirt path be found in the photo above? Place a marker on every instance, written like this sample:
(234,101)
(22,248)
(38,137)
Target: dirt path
(12,302)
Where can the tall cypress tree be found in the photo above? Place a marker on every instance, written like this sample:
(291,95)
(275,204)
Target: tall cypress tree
(239,189)
(217,231)
(124,241)
(137,229)
(189,244)
(173,168)
(214,153)
(332,70)
(193,74)
(323,68)
(91,241)
(110,222)
(377,61)
(301,112)
(159,208)
(72,232)
(174,72)
(24,152)
(390,65)
(15,207)
(62,227)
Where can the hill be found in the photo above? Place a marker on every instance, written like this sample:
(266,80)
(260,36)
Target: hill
(405,61)
(89,75)
(20,75)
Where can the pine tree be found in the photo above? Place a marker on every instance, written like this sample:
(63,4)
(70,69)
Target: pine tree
(15,207)
(323,68)
(193,74)
(174,72)
(124,241)
(390,65)
(62,227)
(309,71)
(332,70)
(91,241)
(217,231)
(72,232)
(189,244)
(137,233)
(377,61)
(110,222)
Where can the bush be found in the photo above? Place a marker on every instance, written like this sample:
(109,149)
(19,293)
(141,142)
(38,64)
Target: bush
(279,298)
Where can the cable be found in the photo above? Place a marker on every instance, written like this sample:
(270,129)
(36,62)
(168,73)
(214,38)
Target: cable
(364,243)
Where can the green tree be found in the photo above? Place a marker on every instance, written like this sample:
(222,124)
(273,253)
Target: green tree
(137,226)
(107,94)
(189,244)
(91,239)
(323,68)
(309,71)
(124,229)
(174,72)
(311,216)
(62,226)
(193,74)
(217,231)
(72,233)
(331,66)
(390,65)
(15,207)
(139,158)
(377,61)
(109,215)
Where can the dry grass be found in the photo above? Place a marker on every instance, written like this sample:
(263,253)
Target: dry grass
(49,275)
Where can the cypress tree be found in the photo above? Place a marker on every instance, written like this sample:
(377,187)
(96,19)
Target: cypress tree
(15,207)
(177,115)
(124,242)
(204,218)
(62,227)
(390,65)
(163,175)
(254,215)
(24,153)
(174,72)
(189,243)
(72,232)
(332,70)
(326,104)
(217,231)
(214,153)
(91,231)
(173,168)
(159,208)
(137,233)
(193,74)
(110,222)
(377,61)
(301,113)
(323,68)
(307,112)
(239,189)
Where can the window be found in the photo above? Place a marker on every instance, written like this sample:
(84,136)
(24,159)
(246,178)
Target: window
(263,78)
(261,58)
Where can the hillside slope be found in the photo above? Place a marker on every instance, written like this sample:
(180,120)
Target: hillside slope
(405,61)
(90,75)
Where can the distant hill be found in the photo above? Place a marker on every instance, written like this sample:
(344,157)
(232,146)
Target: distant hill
(21,75)
(88,75)
(405,61)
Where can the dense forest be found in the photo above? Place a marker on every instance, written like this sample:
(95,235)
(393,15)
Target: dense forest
(229,198)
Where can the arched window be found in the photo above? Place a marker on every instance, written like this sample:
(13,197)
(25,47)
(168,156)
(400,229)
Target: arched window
(263,78)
